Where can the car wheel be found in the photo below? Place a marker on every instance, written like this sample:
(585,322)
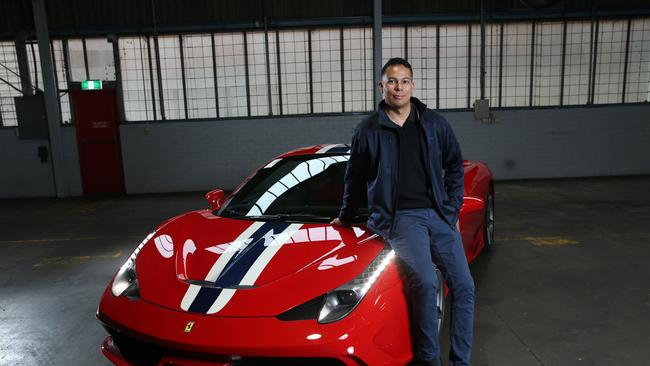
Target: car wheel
(488,227)
(440,299)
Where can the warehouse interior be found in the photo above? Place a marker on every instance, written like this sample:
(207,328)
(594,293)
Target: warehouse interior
(115,116)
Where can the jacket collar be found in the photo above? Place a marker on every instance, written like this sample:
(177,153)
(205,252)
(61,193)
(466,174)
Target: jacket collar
(384,120)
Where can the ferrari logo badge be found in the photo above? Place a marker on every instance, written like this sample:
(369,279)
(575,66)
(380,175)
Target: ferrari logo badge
(188,327)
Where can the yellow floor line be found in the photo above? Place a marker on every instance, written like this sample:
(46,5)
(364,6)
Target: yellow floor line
(549,240)
(74,259)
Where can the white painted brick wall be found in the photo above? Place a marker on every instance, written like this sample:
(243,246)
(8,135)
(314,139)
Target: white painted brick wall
(23,175)
(522,144)
(198,156)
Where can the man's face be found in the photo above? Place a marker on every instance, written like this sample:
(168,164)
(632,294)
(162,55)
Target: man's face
(397,86)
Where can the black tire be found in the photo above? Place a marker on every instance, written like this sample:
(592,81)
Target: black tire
(488,227)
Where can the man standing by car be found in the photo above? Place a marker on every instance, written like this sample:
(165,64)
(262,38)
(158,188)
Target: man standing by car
(398,154)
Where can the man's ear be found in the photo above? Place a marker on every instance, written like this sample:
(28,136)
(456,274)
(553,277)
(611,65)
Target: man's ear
(381,86)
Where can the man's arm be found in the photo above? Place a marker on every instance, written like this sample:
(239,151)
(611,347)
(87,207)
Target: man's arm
(355,178)
(453,166)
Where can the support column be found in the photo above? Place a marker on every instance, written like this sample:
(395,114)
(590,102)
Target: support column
(51,102)
(376,47)
(23,64)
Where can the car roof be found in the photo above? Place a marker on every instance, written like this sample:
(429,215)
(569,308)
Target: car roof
(318,149)
(340,149)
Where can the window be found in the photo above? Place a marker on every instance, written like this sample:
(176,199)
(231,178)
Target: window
(301,71)
(139,79)
(257,74)
(422,57)
(61,81)
(326,70)
(453,66)
(294,76)
(392,43)
(231,74)
(77,62)
(199,76)
(101,63)
(638,77)
(11,88)
(610,62)
(492,54)
(517,49)
(547,73)
(34,64)
(577,63)
(357,69)
(171,75)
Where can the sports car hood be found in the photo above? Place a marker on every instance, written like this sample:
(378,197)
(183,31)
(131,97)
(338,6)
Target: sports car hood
(206,264)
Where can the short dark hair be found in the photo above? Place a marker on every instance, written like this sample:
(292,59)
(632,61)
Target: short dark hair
(396,61)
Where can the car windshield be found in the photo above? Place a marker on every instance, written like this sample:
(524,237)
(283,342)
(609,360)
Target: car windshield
(305,188)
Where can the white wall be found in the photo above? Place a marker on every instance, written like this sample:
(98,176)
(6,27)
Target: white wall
(23,175)
(198,156)
(555,143)
(522,144)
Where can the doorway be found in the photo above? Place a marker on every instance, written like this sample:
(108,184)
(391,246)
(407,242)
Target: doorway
(98,141)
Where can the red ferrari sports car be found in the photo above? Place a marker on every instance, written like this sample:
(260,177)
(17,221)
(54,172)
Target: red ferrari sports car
(262,278)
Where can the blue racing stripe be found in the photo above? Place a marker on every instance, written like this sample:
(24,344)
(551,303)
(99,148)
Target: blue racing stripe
(237,267)
(242,262)
(204,299)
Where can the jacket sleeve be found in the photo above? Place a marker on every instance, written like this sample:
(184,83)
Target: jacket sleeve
(453,166)
(355,177)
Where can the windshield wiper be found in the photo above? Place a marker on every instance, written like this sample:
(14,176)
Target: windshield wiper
(232,213)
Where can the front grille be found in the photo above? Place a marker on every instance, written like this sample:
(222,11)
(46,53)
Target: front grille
(143,353)
(146,354)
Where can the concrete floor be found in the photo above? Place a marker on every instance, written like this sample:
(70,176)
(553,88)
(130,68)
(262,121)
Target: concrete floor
(566,284)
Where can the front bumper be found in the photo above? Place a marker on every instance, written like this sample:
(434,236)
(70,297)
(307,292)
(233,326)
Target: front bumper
(113,352)
(375,333)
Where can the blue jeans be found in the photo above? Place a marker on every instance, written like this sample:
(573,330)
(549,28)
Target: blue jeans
(421,238)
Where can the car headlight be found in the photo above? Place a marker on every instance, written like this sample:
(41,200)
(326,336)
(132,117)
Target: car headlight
(339,302)
(126,281)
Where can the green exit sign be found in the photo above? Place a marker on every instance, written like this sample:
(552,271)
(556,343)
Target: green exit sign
(91,85)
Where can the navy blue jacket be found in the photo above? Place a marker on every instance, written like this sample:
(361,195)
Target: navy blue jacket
(374,157)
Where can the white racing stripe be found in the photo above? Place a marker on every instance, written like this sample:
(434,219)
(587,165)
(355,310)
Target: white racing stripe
(189,297)
(218,266)
(268,253)
(327,148)
(300,173)
(256,269)
(272,163)
(221,301)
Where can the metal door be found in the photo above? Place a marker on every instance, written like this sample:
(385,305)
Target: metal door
(98,141)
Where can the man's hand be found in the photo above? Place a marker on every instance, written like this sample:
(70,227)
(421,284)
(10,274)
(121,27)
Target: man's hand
(458,225)
(338,222)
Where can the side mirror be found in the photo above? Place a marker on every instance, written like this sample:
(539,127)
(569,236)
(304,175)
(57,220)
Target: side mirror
(215,198)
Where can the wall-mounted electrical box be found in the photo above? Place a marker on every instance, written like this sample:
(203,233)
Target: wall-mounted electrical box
(32,119)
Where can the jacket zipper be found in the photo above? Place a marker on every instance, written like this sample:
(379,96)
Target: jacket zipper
(396,188)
